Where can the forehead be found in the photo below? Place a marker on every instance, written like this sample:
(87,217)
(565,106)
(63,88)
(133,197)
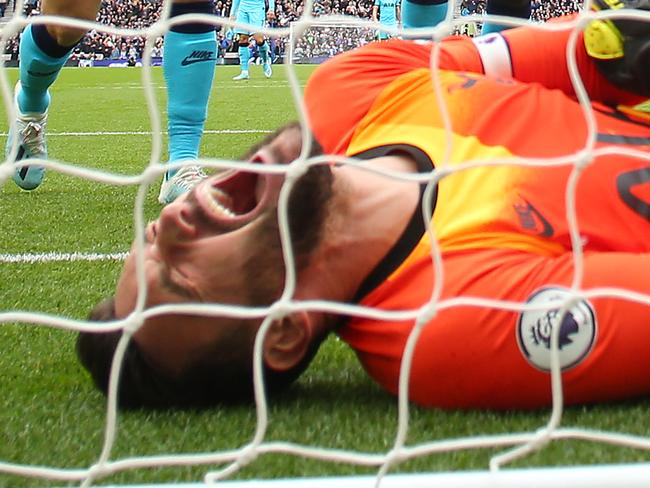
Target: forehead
(284,145)
(289,140)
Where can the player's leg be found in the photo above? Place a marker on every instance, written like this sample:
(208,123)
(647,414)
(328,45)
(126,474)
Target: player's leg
(43,52)
(483,357)
(244,56)
(383,35)
(257,17)
(511,8)
(423,13)
(242,43)
(189,53)
(263,46)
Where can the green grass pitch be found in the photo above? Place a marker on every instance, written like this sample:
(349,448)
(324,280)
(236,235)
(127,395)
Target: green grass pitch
(50,415)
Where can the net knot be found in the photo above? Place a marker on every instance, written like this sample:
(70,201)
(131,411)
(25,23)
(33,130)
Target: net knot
(296,169)
(427,313)
(583,159)
(152,172)
(248,455)
(132,323)
(279,309)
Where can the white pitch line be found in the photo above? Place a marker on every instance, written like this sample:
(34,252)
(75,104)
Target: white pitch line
(143,133)
(56,257)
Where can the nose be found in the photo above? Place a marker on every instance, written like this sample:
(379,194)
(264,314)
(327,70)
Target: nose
(175,226)
(259,157)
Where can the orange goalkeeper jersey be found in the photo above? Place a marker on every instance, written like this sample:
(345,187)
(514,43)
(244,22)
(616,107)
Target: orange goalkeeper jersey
(503,232)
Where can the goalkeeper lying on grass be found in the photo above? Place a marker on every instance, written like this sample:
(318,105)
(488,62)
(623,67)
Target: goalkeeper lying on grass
(359,237)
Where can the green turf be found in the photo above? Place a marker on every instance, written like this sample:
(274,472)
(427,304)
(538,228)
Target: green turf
(50,415)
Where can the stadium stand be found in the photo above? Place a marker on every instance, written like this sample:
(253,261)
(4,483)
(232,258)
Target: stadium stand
(313,47)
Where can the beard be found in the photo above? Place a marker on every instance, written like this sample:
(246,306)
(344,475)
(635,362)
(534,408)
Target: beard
(307,211)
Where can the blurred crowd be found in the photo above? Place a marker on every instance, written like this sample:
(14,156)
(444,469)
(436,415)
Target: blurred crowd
(326,41)
(317,41)
(541,10)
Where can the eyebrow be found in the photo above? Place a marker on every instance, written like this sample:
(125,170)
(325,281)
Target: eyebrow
(168,283)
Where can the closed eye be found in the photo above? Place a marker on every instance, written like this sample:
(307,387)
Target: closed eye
(167,281)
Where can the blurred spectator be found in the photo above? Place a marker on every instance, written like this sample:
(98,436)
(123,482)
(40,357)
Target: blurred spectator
(30,6)
(253,52)
(223,44)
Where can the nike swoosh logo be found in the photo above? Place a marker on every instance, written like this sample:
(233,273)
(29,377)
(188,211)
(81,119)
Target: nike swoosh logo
(188,61)
(525,211)
(41,74)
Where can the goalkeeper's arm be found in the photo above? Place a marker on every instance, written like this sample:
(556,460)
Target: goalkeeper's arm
(535,55)
(529,54)
(620,46)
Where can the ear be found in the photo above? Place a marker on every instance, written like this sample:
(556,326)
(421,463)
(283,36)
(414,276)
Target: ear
(287,341)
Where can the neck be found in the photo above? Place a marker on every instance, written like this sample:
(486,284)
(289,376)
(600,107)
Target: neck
(368,215)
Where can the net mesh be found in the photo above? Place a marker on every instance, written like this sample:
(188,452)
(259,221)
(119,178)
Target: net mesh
(514,445)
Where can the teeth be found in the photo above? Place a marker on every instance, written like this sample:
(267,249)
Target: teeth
(218,202)
(217,207)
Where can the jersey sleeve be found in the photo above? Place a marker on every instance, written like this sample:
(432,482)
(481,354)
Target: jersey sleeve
(533,55)
(540,56)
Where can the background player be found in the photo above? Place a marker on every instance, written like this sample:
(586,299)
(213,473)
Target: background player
(511,8)
(387,12)
(359,237)
(420,14)
(252,12)
(189,63)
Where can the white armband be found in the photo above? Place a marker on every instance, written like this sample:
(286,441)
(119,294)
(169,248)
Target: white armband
(495,55)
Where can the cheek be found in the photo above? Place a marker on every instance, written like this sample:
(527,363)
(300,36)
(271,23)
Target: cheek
(219,281)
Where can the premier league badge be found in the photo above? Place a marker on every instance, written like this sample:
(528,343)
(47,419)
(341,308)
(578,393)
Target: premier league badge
(576,335)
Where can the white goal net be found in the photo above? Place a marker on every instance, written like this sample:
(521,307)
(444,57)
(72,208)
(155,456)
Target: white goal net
(313,38)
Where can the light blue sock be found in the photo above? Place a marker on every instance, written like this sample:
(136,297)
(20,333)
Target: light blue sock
(264,52)
(189,61)
(491,28)
(520,9)
(37,73)
(244,56)
(417,15)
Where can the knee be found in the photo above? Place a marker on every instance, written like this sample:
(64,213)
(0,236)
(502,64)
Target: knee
(65,36)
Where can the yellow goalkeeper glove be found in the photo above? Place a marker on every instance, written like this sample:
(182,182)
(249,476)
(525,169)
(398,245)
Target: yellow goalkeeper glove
(621,47)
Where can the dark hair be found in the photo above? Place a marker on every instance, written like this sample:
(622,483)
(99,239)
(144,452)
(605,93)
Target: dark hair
(206,383)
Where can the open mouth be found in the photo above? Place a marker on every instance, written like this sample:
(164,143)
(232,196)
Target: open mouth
(233,198)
